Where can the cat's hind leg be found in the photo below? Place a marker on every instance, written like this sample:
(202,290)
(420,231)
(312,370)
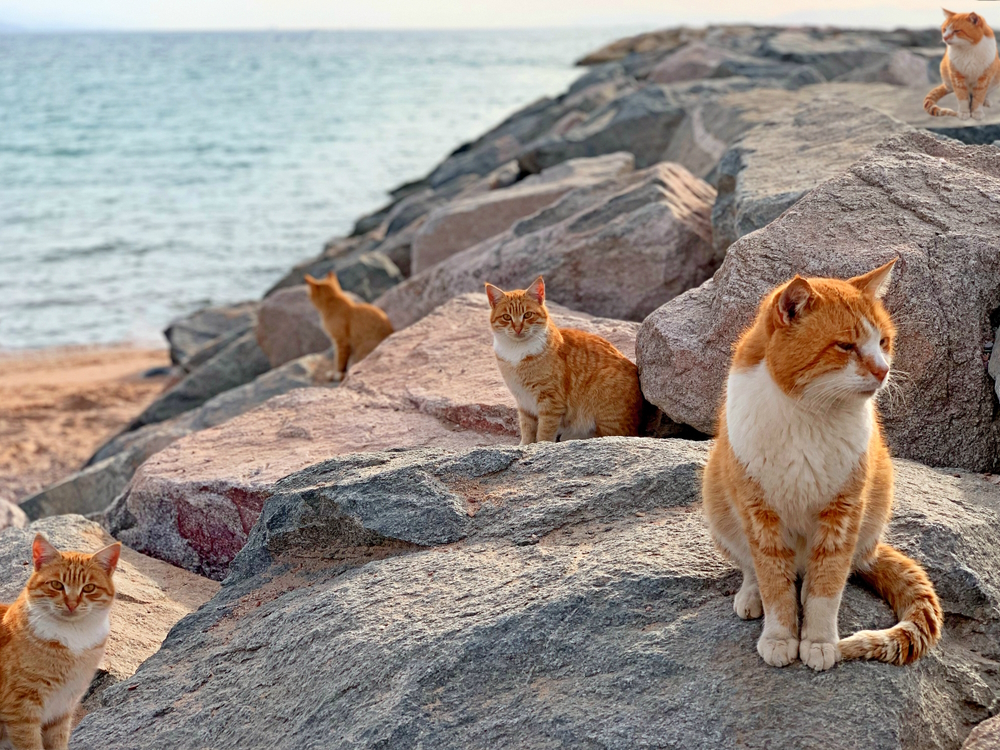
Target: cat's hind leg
(55,736)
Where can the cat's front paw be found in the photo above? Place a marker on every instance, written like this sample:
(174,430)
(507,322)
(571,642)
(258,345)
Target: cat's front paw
(778,652)
(747,603)
(977,114)
(987,102)
(963,115)
(819,656)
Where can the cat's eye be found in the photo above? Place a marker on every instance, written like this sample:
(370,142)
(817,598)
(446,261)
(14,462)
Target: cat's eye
(56,585)
(89,588)
(507,318)
(884,343)
(845,346)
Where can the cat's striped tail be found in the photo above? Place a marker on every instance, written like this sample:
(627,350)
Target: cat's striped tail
(931,100)
(906,587)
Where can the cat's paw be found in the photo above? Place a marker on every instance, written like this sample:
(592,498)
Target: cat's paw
(987,102)
(819,656)
(747,603)
(778,652)
(963,115)
(977,114)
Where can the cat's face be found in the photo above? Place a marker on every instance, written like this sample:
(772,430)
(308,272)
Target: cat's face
(519,315)
(831,340)
(962,29)
(323,289)
(71,585)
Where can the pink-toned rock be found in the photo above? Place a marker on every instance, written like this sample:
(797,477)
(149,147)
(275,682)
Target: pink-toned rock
(288,326)
(691,62)
(11,515)
(434,384)
(618,249)
(463,222)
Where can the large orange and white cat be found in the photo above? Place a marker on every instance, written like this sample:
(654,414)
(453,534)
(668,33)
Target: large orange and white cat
(799,482)
(970,68)
(52,639)
(568,384)
(355,328)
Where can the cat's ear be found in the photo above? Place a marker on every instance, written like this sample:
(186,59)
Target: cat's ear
(494,293)
(312,281)
(948,13)
(42,553)
(973,19)
(107,558)
(537,290)
(793,300)
(875,282)
(332,280)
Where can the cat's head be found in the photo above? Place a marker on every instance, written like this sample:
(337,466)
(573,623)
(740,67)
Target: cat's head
(519,315)
(830,340)
(325,288)
(963,29)
(71,585)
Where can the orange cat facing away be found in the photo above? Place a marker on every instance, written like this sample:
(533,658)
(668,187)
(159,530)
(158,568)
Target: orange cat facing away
(354,327)
(568,384)
(970,68)
(51,641)
(799,482)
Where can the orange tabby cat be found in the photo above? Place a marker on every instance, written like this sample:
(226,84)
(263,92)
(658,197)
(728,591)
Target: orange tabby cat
(970,68)
(355,327)
(51,642)
(799,482)
(567,384)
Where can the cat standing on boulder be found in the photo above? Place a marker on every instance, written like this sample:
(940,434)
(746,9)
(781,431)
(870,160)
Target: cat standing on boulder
(354,327)
(51,643)
(970,68)
(799,482)
(568,384)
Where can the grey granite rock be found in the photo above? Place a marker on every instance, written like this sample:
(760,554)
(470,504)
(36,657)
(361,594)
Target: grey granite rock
(192,332)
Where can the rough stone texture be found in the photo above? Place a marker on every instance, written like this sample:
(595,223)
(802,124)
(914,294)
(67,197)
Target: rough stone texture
(190,333)
(994,367)
(109,471)
(194,503)
(618,250)
(902,68)
(935,204)
(289,326)
(776,163)
(239,362)
(834,56)
(465,222)
(984,737)
(152,596)
(559,595)
(12,516)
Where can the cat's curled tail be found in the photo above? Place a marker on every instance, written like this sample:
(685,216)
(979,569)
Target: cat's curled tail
(931,100)
(906,587)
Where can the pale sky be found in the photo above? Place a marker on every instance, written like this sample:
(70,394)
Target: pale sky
(441,14)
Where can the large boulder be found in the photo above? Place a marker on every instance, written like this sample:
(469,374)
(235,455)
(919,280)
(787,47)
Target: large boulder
(191,333)
(152,596)
(366,274)
(106,475)
(289,326)
(915,197)
(12,516)
(193,503)
(833,56)
(239,362)
(557,595)
(618,249)
(786,156)
(465,222)
(984,737)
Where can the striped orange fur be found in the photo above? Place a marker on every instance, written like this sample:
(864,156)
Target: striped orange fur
(52,639)
(799,481)
(970,68)
(568,384)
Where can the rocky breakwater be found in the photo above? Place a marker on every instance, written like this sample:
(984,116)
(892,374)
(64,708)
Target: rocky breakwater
(433,384)
(561,594)
(930,202)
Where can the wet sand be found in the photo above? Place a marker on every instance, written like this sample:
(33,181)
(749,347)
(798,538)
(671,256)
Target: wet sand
(57,406)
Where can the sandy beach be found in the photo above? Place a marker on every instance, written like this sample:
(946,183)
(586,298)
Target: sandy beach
(58,405)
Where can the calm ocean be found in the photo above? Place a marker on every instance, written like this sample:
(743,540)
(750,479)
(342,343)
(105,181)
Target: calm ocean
(145,175)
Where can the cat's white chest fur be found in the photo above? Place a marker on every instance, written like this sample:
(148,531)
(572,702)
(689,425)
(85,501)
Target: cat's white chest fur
(78,636)
(510,353)
(800,458)
(971,60)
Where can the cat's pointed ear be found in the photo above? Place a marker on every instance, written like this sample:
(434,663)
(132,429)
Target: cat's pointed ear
(948,13)
(793,300)
(332,280)
(42,553)
(107,558)
(312,281)
(494,293)
(537,290)
(875,282)
(973,19)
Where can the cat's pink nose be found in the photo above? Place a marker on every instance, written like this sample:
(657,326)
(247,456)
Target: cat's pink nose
(71,605)
(879,371)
